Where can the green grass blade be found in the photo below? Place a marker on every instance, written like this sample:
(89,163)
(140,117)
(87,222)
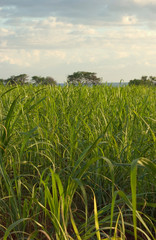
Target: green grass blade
(96,219)
(12,226)
(74,226)
(133,190)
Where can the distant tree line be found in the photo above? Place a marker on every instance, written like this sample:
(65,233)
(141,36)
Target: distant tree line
(145,80)
(80,77)
(23,79)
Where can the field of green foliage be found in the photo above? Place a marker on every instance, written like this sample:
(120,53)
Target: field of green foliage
(77,163)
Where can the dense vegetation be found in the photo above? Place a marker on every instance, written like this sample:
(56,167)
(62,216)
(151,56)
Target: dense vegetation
(23,79)
(80,77)
(77,162)
(145,81)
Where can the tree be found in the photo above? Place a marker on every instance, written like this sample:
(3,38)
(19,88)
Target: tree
(153,79)
(19,79)
(49,81)
(147,81)
(1,81)
(37,80)
(85,78)
(43,80)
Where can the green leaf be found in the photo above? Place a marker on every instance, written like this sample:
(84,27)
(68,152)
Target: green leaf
(12,226)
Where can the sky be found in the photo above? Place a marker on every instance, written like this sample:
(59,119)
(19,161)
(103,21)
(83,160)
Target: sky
(115,39)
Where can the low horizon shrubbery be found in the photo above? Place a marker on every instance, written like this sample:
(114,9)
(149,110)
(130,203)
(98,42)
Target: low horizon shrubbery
(144,81)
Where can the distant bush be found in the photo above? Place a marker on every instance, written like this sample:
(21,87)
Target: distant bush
(148,81)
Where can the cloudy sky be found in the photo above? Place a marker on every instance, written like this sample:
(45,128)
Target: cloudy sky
(115,39)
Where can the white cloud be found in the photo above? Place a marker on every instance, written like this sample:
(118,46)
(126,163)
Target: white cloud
(129,20)
(54,53)
(3,44)
(78,35)
(145,2)
(123,54)
(5,32)
(27,58)
(19,57)
(47,33)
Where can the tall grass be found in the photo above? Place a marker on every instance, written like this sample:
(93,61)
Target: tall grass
(77,162)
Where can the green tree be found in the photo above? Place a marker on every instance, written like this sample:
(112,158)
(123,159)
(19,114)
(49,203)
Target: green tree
(49,81)
(85,78)
(1,81)
(19,79)
(37,80)
(153,79)
(145,80)
(43,80)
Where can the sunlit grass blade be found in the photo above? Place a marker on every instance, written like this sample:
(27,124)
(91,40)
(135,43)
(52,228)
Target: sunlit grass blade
(133,189)
(96,219)
(74,226)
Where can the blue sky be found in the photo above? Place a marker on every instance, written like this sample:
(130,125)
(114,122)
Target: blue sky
(115,39)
